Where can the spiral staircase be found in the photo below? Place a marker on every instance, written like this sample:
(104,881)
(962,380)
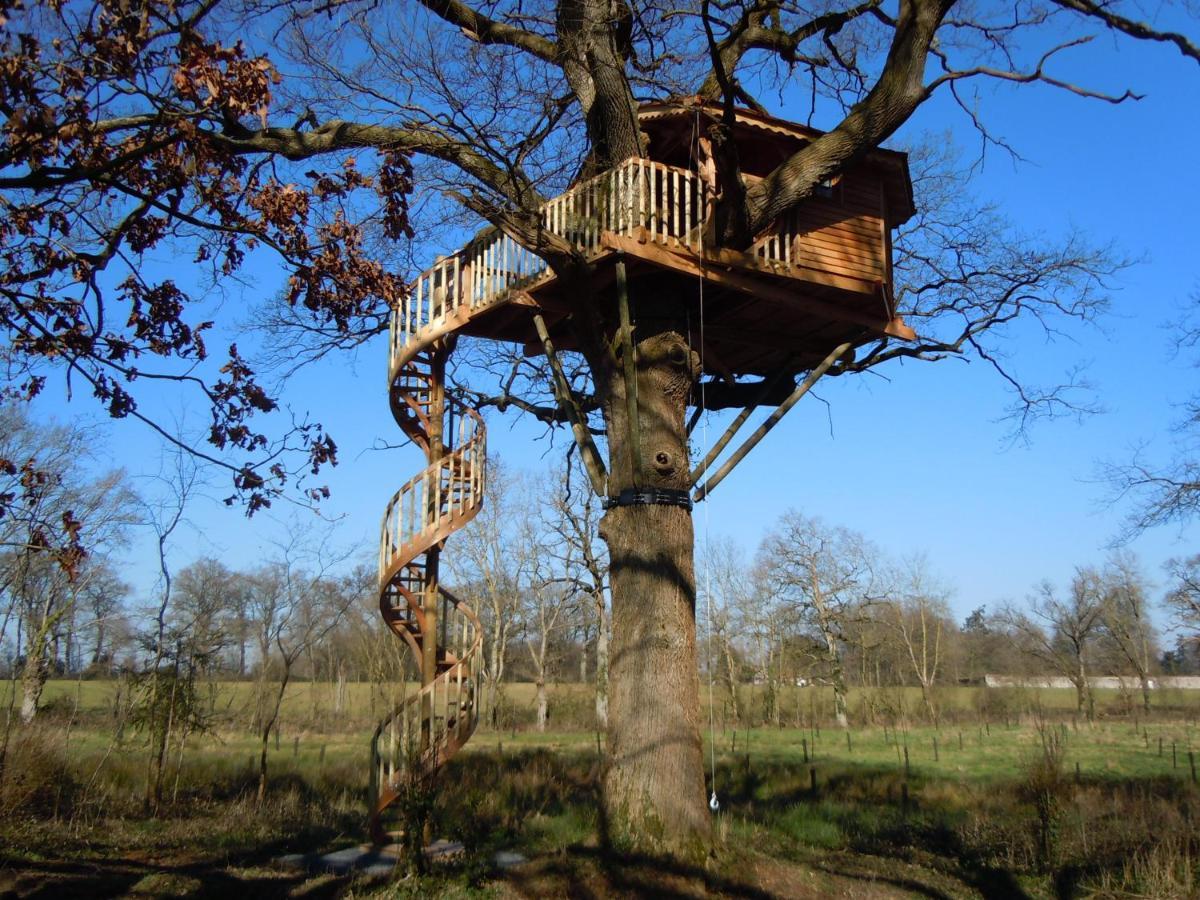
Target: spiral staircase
(428,727)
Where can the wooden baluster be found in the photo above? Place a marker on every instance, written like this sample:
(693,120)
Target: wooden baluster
(652,217)
(688,211)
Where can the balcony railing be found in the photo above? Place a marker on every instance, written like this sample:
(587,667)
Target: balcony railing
(638,197)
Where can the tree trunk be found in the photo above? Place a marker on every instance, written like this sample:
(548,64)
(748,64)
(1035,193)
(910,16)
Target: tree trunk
(731,675)
(1145,680)
(33,681)
(927,699)
(541,704)
(35,671)
(837,676)
(98,650)
(654,789)
(601,663)
(268,724)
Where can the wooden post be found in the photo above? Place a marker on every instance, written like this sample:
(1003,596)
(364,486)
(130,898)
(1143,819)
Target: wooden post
(562,391)
(772,420)
(735,425)
(960,744)
(935,750)
(812,778)
(804,741)
(1192,764)
(1174,757)
(849,746)
(321,758)
(433,501)
(906,768)
(1078,776)
(629,364)
(1160,752)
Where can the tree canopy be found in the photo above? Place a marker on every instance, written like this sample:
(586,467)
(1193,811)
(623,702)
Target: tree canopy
(321,134)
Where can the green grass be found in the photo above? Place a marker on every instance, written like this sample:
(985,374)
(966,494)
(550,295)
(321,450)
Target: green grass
(315,701)
(1104,750)
(947,825)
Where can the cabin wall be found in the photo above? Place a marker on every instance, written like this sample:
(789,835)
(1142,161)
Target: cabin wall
(845,233)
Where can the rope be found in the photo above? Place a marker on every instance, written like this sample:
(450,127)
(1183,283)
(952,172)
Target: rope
(713,803)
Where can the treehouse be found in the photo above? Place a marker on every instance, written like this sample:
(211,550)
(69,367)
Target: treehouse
(819,276)
(812,286)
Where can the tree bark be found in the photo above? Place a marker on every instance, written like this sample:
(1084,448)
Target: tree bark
(654,789)
(36,669)
(33,681)
(601,662)
(541,704)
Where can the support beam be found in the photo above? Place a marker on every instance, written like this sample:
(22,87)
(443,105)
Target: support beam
(592,462)
(763,391)
(629,362)
(683,260)
(772,420)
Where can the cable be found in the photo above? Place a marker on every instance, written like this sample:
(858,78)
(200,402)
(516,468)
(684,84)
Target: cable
(713,803)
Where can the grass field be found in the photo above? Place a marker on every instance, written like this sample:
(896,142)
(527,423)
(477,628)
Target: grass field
(809,811)
(315,704)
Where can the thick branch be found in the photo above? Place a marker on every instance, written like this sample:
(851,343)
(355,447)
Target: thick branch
(1139,30)
(898,92)
(337,135)
(479,27)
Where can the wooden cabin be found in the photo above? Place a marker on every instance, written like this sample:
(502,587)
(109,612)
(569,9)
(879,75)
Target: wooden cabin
(818,276)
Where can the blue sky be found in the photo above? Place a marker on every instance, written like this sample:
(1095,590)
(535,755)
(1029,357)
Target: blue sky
(919,462)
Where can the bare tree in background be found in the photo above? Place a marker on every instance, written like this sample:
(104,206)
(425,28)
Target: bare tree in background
(1125,618)
(572,521)
(725,579)
(490,564)
(1167,491)
(1183,595)
(295,602)
(1060,632)
(826,574)
(918,613)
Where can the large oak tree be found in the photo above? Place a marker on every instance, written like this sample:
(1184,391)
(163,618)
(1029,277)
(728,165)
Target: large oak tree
(320,132)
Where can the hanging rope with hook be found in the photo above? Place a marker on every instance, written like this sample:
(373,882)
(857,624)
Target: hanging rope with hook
(713,803)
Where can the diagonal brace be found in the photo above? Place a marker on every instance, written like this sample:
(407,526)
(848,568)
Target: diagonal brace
(735,425)
(597,474)
(772,420)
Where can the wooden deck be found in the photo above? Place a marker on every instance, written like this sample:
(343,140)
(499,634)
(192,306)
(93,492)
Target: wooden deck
(820,276)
